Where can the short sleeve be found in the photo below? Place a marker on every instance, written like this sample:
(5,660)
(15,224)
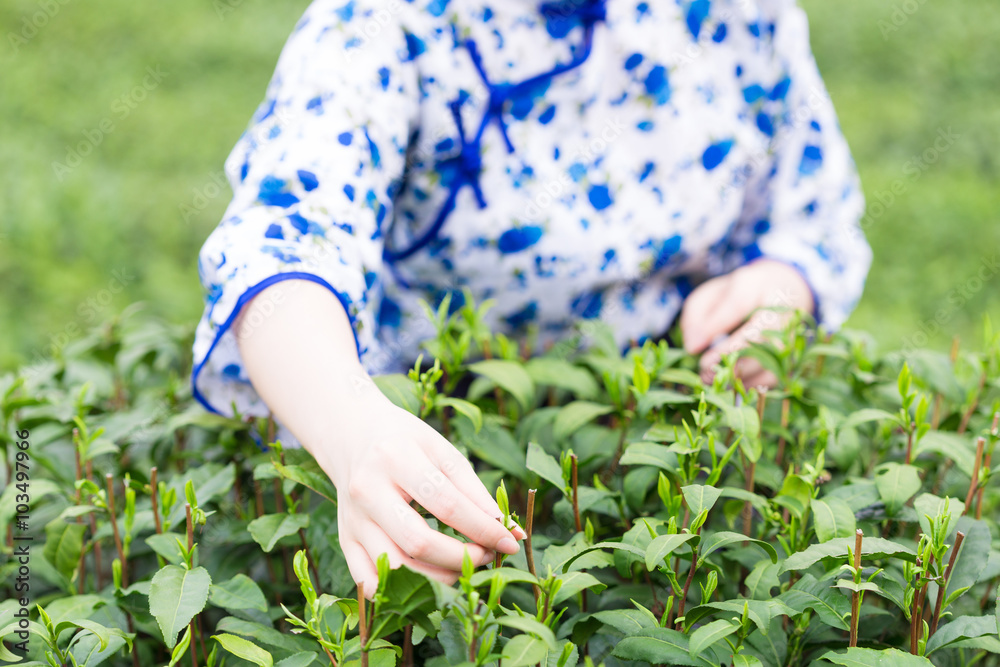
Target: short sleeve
(804,200)
(313,182)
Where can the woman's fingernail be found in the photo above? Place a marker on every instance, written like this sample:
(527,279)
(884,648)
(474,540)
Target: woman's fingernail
(508,546)
(488,558)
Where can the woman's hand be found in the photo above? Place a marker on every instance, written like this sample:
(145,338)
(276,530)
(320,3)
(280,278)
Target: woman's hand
(758,291)
(299,351)
(393,457)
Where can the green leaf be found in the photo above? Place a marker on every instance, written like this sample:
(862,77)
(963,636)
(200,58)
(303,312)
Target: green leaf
(700,498)
(650,454)
(269,529)
(575,415)
(762,578)
(303,659)
(896,483)
(957,448)
(544,465)
(724,538)
(709,634)
(244,649)
(973,557)
(872,548)
(620,546)
(760,611)
(933,506)
(867,657)
(405,597)
(626,621)
(864,416)
(399,389)
(469,410)
(564,375)
(530,625)
(311,476)
(175,597)
(574,582)
(795,494)
(744,660)
(63,545)
(808,593)
(664,545)
(832,518)
(660,646)
(510,376)
(744,422)
(240,592)
(506,575)
(524,650)
(657,398)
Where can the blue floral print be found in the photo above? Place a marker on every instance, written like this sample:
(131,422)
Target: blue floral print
(579,159)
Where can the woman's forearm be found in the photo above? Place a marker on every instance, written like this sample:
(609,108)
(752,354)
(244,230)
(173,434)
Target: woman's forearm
(299,351)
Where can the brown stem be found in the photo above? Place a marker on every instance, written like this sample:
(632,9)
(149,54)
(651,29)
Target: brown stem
(936,418)
(959,538)
(747,507)
(909,442)
(155,496)
(201,638)
(408,646)
(363,623)
(786,406)
(576,494)
(194,645)
(979,495)
(687,583)
(974,484)
(914,617)
(972,408)
(114,526)
(528,553)
(856,596)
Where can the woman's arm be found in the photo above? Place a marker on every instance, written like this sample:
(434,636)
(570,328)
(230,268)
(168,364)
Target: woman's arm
(298,348)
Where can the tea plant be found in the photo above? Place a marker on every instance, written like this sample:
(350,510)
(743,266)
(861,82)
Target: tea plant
(845,516)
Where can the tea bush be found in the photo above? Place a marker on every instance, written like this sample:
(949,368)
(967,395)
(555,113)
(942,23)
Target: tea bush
(844,517)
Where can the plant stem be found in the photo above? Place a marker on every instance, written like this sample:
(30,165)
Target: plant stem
(408,646)
(959,538)
(576,494)
(786,405)
(363,624)
(114,526)
(93,531)
(81,567)
(972,408)
(909,442)
(190,526)
(309,559)
(154,495)
(856,596)
(194,654)
(913,613)
(687,584)
(973,485)
(528,553)
(979,494)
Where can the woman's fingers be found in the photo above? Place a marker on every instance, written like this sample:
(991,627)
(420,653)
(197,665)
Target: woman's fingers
(427,484)
(697,312)
(464,477)
(377,542)
(388,509)
(751,332)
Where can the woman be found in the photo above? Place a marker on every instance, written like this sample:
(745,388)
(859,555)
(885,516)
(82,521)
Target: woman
(623,160)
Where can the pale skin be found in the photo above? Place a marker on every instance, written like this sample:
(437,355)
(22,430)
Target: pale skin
(301,359)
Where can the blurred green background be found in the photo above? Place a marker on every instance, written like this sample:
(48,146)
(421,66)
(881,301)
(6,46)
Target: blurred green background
(79,243)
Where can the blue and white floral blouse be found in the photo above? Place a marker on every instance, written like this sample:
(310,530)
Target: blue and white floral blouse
(571,160)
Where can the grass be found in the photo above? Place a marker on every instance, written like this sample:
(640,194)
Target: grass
(63,240)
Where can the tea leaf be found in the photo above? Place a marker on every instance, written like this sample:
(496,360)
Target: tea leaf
(248,651)
(866,657)
(269,529)
(563,375)
(524,650)
(175,597)
(896,483)
(510,376)
(832,518)
(575,415)
(665,545)
(660,646)
(240,592)
(709,634)
(873,548)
